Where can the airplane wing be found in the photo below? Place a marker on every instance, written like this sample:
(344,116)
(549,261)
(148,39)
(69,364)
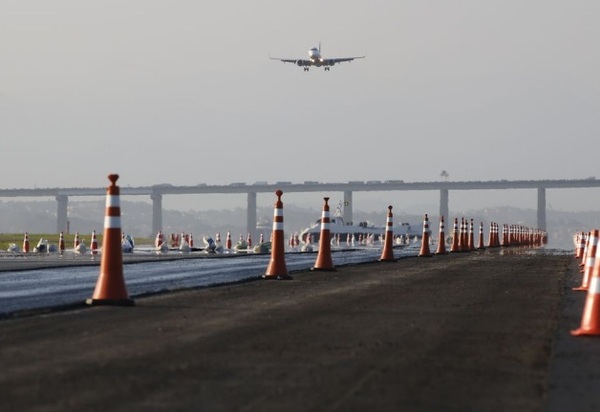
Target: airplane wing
(343,59)
(299,62)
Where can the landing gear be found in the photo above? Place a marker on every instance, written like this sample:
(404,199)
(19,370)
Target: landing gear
(327,68)
(306,69)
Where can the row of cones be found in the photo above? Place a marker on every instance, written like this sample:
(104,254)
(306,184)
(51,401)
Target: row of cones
(111,289)
(79,245)
(187,239)
(586,249)
(512,235)
(463,237)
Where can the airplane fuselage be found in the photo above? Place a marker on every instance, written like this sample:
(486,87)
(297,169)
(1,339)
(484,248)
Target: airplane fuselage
(315,57)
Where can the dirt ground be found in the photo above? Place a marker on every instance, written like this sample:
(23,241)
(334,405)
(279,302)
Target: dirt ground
(459,332)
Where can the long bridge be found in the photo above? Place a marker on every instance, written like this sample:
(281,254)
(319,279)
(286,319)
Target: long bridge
(156,193)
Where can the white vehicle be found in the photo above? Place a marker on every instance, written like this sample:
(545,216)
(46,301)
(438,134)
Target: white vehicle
(357,232)
(315,59)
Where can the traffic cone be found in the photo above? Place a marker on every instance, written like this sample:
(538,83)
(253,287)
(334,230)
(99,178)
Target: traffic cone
(191,241)
(76,240)
(455,247)
(581,263)
(471,242)
(590,260)
(580,245)
(228,241)
(61,243)
(480,244)
(464,237)
(277,268)
(26,243)
(110,288)
(491,242)
(387,254)
(425,252)
(324,261)
(94,244)
(441,247)
(159,239)
(590,320)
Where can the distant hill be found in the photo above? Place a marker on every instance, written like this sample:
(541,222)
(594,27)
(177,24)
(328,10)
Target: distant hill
(85,216)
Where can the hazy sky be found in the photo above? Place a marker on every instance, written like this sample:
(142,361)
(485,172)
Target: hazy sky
(183,92)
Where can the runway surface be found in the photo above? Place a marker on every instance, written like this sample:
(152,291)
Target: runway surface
(467,331)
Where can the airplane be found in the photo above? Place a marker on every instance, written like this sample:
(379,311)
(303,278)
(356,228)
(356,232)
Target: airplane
(315,59)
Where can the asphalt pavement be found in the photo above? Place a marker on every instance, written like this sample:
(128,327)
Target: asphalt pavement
(486,330)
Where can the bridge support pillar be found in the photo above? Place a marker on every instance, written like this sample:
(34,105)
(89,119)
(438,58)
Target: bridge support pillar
(347,214)
(61,213)
(541,208)
(156,213)
(251,216)
(444,204)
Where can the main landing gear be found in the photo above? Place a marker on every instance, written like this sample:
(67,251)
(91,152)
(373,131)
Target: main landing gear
(306,69)
(327,68)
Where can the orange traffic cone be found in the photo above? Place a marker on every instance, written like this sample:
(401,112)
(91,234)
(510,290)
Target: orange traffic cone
(110,288)
(76,241)
(159,239)
(585,251)
(471,242)
(387,254)
(425,252)
(580,242)
(324,261)
(590,320)
(277,268)
(491,242)
(455,238)
(26,243)
(61,243)
(441,247)
(464,236)
(480,244)
(94,245)
(228,241)
(590,260)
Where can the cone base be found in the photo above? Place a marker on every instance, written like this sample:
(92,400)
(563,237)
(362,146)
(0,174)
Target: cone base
(109,302)
(277,277)
(387,260)
(316,269)
(425,255)
(585,332)
(580,288)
